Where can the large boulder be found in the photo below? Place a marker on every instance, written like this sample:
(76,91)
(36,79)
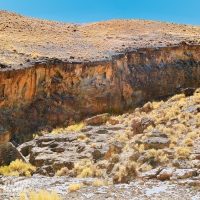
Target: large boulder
(9,153)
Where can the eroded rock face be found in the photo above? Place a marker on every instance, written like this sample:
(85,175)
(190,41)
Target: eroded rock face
(52,92)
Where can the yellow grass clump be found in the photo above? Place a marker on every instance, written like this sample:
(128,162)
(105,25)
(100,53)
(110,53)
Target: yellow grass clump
(182,153)
(17,168)
(41,195)
(99,182)
(74,187)
(76,127)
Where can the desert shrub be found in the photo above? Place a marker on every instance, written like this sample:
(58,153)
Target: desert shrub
(182,153)
(146,168)
(17,168)
(125,172)
(35,55)
(76,127)
(192,135)
(157,155)
(72,128)
(98,182)
(188,142)
(74,187)
(86,168)
(41,195)
(82,136)
(62,172)
(93,145)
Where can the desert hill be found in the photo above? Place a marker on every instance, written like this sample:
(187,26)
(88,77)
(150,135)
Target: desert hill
(23,39)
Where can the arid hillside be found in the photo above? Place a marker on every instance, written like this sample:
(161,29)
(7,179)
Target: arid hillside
(23,39)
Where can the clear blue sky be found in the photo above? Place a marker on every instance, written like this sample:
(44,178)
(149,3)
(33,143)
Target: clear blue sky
(178,11)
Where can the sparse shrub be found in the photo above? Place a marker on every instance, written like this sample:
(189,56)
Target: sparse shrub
(98,182)
(188,142)
(41,195)
(76,127)
(82,136)
(93,145)
(62,172)
(85,168)
(74,187)
(182,153)
(192,135)
(17,168)
(146,168)
(125,172)
(35,55)
(141,148)
(158,156)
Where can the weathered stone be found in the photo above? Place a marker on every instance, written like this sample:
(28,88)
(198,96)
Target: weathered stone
(9,153)
(156,140)
(188,91)
(151,174)
(115,148)
(185,173)
(196,163)
(146,121)
(113,121)
(165,174)
(182,164)
(26,147)
(98,119)
(135,155)
(136,125)
(62,162)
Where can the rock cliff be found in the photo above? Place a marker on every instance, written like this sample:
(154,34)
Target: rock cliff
(50,92)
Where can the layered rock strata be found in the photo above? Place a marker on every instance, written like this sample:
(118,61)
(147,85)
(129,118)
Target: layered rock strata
(51,92)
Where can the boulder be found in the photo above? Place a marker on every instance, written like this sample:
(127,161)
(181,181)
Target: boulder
(9,153)
(188,91)
(185,173)
(151,174)
(165,174)
(156,140)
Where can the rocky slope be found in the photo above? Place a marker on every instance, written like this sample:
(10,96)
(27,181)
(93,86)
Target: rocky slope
(130,155)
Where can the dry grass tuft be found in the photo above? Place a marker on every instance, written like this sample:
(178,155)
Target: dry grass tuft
(17,168)
(74,187)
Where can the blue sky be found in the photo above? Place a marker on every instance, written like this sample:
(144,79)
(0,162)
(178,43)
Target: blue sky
(178,11)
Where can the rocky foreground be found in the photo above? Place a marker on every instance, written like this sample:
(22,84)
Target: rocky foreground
(150,153)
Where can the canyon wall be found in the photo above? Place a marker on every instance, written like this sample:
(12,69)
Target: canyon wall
(48,93)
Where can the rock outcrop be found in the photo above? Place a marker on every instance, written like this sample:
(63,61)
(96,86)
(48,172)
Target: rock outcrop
(52,92)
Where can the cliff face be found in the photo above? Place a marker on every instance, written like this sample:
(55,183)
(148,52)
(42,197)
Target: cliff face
(52,92)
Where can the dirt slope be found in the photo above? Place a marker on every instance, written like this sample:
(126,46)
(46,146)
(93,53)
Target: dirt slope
(23,38)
